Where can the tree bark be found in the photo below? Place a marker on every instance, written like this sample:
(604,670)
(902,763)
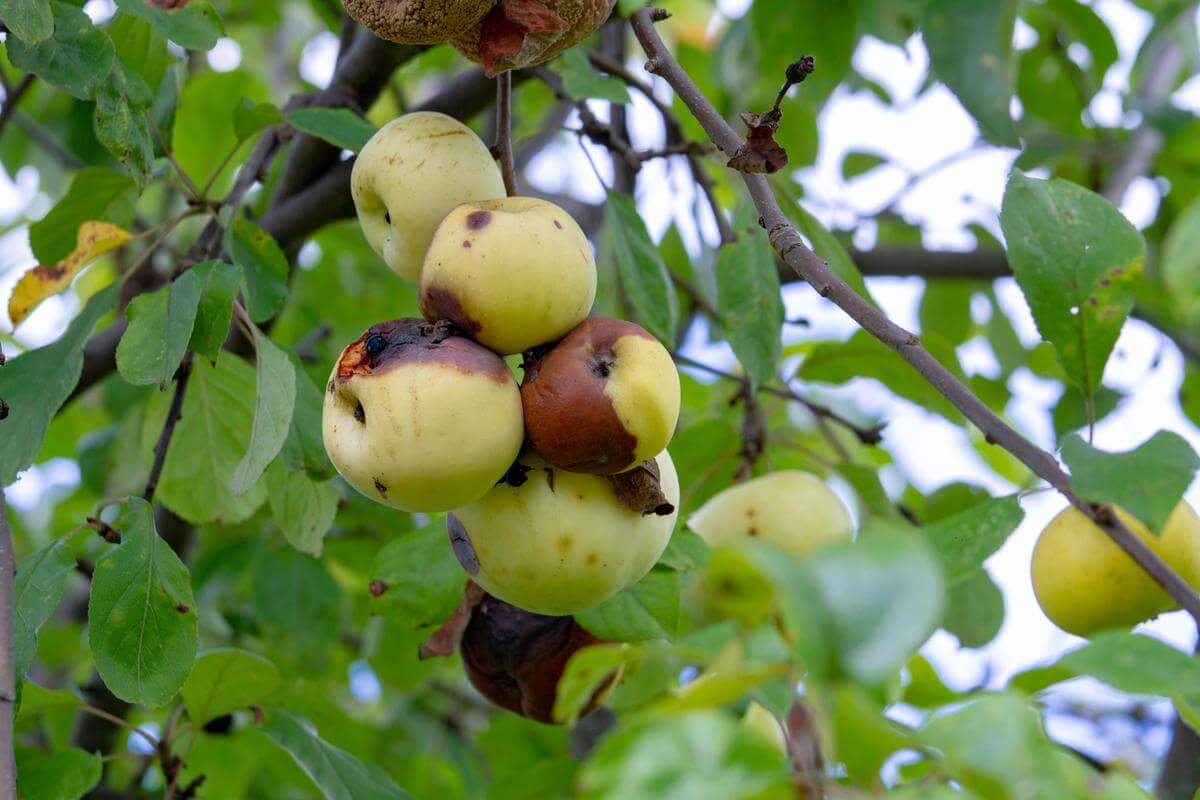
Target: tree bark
(8,677)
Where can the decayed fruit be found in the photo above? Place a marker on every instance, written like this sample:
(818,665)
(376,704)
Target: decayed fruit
(515,658)
(521,33)
(604,400)
(419,418)
(418,21)
(791,509)
(1086,583)
(412,172)
(513,273)
(561,542)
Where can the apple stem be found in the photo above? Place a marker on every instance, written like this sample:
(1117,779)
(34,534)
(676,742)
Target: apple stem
(503,148)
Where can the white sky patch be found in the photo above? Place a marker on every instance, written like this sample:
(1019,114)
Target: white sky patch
(225,56)
(319,58)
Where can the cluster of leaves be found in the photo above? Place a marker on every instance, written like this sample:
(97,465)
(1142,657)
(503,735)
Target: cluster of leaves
(235,614)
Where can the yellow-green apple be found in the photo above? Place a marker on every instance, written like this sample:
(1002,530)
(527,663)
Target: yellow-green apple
(420,419)
(412,172)
(513,273)
(560,542)
(793,510)
(604,400)
(1086,583)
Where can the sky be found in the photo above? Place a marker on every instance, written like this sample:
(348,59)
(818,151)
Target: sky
(928,128)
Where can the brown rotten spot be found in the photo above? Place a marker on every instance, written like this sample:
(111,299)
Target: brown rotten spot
(522,33)
(515,658)
(418,21)
(602,401)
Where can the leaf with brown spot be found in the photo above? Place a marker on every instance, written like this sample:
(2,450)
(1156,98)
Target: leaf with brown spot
(639,490)
(94,240)
(445,640)
(760,152)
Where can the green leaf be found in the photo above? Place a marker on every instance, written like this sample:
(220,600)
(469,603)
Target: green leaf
(1070,413)
(37,383)
(77,58)
(96,193)
(60,775)
(304,449)
(965,540)
(219,284)
(582,82)
(123,122)
(1148,481)
(141,48)
(160,326)
(864,356)
(339,775)
(585,672)
(641,268)
(946,309)
(31,21)
(299,604)
(1077,260)
(276,379)
(38,589)
(785,30)
(209,441)
(264,266)
(303,509)
(856,163)
(1180,265)
(207,102)
(647,610)
(885,595)
(39,700)
(824,243)
(141,616)
(227,680)
(970,50)
(193,25)
(420,578)
(974,610)
(1135,664)
(863,737)
(250,118)
(341,127)
(700,755)
(750,305)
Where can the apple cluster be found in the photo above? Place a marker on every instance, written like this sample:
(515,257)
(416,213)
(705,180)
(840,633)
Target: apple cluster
(559,490)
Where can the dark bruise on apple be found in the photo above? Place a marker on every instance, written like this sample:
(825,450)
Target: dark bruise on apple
(602,401)
(515,658)
(420,418)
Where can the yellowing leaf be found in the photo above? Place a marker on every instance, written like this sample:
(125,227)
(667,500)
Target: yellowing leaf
(94,240)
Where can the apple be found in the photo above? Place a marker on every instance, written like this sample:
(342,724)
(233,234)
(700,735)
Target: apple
(512,273)
(412,172)
(522,33)
(604,400)
(793,510)
(515,658)
(561,542)
(1085,583)
(417,21)
(420,419)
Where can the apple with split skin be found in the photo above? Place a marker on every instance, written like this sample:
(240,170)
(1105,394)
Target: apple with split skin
(412,172)
(790,509)
(603,400)
(560,542)
(419,418)
(512,273)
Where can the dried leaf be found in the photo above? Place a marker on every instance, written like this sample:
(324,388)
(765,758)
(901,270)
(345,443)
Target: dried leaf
(639,490)
(94,240)
(445,639)
(760,152)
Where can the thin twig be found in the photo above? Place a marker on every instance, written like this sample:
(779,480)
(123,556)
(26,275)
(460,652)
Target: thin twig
(504,149)
(12,97)
(792,249)
(120,723)
(173,416)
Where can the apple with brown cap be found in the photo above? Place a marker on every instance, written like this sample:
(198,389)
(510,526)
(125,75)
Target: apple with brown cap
(512,273)
(411,173)
(522,33)
(421,419)
(515,658)
(556,542)
(418,21)
(604,400)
